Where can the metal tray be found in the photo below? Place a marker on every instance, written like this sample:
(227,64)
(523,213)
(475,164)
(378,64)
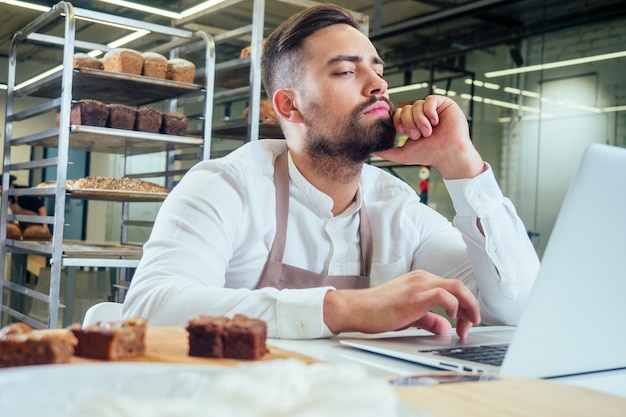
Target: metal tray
(111,195)
(238,129)
(118,141)
(114,87)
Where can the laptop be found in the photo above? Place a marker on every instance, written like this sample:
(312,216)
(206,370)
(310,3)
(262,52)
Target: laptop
(574,320)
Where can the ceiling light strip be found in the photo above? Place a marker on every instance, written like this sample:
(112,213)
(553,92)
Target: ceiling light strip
(404,88)
(143,8)
(128,38)
(526,93)
(26,5)
(202,9)
(558,64)
(483,84)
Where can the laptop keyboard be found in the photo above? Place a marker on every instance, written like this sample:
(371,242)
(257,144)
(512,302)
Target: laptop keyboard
(489,354)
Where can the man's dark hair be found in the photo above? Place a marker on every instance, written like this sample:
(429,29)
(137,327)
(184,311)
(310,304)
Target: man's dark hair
(280,63)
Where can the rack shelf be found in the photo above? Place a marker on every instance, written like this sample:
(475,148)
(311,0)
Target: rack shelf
(117,141)
(78,249)
(129,89)
(238,129)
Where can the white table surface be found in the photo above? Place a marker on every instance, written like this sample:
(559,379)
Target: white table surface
(329,350)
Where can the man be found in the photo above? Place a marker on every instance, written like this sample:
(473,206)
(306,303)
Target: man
(313,241)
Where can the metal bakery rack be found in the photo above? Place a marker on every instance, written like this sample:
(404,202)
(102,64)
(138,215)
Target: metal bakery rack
(28,104)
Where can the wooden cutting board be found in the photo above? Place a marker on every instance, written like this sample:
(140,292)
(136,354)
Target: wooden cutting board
(170,344)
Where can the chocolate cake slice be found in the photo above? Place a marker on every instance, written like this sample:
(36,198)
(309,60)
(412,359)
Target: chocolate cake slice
(206,336)
(241,337)
(21,345)
(111,340)
(244,338)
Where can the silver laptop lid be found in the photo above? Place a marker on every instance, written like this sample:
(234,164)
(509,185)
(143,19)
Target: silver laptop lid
(575,317)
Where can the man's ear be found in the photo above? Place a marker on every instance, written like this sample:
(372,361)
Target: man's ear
(286,106)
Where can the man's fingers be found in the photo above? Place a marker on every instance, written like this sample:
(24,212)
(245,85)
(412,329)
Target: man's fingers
(434,323)
(462,328)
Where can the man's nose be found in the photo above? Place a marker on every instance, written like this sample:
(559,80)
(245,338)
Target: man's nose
(377,86)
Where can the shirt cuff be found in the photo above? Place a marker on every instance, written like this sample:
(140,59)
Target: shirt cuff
(300,313)
(475,197)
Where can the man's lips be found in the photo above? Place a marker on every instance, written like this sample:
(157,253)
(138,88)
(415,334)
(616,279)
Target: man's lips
(378,108)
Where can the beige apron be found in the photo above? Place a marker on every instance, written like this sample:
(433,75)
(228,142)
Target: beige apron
(279,275)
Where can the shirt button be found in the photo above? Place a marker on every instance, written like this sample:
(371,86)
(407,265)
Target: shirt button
(303,332)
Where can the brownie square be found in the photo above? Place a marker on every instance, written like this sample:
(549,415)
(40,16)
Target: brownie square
(111,340)
(244,338)
(206,336)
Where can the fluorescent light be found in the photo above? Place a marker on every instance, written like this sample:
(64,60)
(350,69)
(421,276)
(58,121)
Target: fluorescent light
(499,103)
(3,87)
(443,92)
(409,87)
(161,12)
(102,22)
(479,83)
(558,64)
(200,7)
(522,92)
(26,5)
(128,38)
(38,77)
(142,8)
(614,109)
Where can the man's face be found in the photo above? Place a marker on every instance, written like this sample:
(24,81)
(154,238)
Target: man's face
(345,103)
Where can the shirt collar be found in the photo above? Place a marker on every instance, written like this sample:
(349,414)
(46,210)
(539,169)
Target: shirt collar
(323,201)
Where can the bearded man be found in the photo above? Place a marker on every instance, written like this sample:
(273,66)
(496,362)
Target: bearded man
(306,236)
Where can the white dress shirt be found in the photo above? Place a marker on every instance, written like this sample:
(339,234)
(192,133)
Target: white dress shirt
(212,236)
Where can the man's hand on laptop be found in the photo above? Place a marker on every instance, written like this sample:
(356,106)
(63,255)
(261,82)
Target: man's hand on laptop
(403,302)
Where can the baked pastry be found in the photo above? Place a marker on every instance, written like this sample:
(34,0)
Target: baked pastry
(219,337)
(21,345)
(206,336)
(154,65)
(245,52)
(13,231)
(111,340)
(148,119)
(123,60)
(121,116)
(36,232)
(82,60)
(174,124)
(179,69)
(118,184)
(108,183)
(87,112)
(244,338)
(267,114)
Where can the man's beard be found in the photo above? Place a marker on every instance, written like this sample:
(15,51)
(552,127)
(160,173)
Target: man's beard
(332,147)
